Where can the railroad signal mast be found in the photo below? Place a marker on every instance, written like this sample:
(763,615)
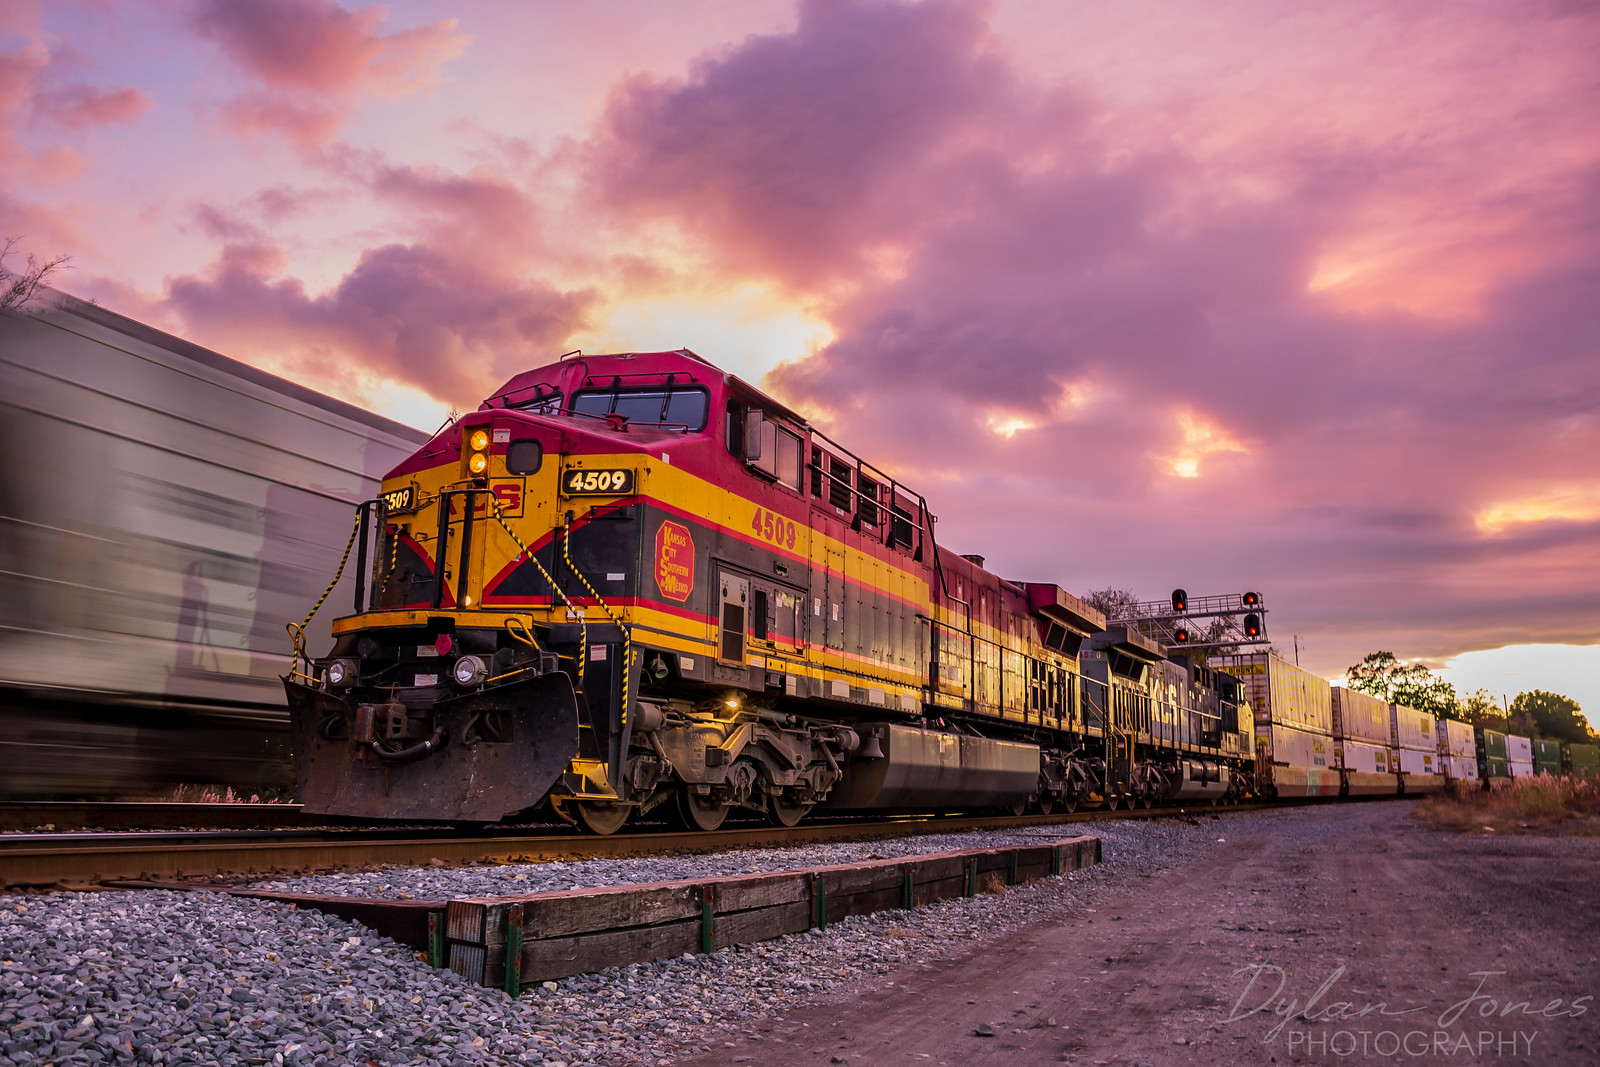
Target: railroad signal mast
(1200,624)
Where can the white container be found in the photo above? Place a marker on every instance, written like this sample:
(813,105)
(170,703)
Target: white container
(1456,739)
(1520,768)
(1413,729)
(1518,750)
(1459,768)
(1281,693)
(1361,756)
(1414,761)
(1359,716)
(1301,748)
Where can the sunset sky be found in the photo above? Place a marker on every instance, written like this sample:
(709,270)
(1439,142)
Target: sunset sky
(1226,295)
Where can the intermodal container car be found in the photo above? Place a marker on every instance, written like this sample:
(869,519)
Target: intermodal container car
(1547,757)
(1583,761)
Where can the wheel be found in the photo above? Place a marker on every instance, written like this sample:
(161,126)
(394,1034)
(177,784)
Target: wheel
(785,812)
(1020,808)
(1069,804)
(1047,803)
(701,813)
(1113,802)
(1147,802)
(598,817)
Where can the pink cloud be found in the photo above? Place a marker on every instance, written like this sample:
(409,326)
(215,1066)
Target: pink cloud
(789,154)
(325,49)
(315,59)
(82,106)
(305,123)
(1133,363)
(407,312)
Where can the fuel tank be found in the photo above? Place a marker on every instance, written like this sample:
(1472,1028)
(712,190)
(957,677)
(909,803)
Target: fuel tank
(929,769)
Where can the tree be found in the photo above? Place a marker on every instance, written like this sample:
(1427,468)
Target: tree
(1552,716)
(1384,676)
(1481,710)
(1115,603)
(19,287)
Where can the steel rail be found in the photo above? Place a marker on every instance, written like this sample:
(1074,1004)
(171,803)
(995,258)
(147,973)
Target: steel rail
(53,860)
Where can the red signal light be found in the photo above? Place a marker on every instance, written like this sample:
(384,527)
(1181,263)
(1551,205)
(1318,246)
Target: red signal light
(1180,600)
(1251,600)
(1180,636)
(1252,626)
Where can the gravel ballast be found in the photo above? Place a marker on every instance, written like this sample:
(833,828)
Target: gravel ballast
(156,976)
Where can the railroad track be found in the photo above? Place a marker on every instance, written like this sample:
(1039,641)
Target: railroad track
(77,859)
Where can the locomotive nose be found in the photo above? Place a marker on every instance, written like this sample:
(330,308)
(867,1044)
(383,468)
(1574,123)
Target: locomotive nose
(472,758)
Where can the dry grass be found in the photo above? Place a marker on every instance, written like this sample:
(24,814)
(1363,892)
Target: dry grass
(1540,805)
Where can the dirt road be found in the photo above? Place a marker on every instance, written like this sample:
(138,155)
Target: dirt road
(1426,947)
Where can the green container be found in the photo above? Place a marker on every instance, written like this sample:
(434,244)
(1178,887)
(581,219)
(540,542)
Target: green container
(1491,745)
(1547,758)
(1585,760)
(1494,768)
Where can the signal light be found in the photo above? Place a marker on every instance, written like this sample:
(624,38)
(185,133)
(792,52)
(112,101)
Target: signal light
(1252,626)
(480,441)
(1180,636)
(1251,600)
(1180,600)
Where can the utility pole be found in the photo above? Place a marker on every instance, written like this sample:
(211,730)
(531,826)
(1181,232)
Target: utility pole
(1296,650)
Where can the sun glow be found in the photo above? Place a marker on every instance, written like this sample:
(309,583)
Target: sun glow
(1570,504)
(1201,440)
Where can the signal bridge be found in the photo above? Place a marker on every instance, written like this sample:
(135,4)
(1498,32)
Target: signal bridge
(1232,620)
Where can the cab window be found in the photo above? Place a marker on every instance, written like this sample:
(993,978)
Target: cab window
(673,409)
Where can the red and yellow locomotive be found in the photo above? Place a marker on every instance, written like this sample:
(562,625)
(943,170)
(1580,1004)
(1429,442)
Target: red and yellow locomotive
(630,581)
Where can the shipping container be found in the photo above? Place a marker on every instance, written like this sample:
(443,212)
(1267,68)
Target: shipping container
(1494,770)
(1547,757)
(1359,716)
(1365,768)
(1459,768)
(1520,768)
(1282,693)
(1301,762)
(1491,745)
(1584,760)
(1411,761)
(1519,749)
(1412,729)
(1456,739)
(1361,756)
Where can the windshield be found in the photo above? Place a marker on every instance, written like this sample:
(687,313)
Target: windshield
(676,408)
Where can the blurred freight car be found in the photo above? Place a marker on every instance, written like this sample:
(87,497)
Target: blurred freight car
(163,511)
(1582,761)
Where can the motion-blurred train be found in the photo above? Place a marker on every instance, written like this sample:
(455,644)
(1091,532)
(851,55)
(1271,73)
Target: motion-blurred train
(163,511)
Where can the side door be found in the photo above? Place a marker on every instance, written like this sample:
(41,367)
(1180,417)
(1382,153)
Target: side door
(733,613)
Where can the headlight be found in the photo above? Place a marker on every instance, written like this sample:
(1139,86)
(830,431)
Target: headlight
(470,670)
(478,463)
(339,673)
(479,440)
